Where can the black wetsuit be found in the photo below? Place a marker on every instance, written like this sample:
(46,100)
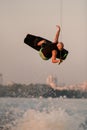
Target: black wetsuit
(47,49)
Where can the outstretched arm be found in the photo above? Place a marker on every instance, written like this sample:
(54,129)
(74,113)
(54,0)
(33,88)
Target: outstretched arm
(57,34)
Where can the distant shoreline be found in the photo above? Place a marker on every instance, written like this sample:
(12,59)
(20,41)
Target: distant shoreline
(39,90)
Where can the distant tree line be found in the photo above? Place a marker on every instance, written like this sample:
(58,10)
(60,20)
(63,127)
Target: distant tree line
(37,90)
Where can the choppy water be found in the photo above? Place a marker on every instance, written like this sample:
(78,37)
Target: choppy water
(43,114)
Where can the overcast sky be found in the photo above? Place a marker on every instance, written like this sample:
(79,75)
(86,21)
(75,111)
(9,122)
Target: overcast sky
(22,64)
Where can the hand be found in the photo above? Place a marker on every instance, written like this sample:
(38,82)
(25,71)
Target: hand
(58,27)
(59,61)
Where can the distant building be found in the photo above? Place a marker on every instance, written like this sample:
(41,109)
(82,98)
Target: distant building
(10,83)
(52,81)
(1,79)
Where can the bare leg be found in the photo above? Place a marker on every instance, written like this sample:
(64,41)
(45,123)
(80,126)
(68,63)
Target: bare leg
(40,43)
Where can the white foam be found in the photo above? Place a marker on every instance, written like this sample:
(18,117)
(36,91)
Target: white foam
(53,120)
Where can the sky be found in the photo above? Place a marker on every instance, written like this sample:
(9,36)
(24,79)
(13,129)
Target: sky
(20,63)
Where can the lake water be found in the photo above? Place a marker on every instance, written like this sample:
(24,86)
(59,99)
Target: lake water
(43,114)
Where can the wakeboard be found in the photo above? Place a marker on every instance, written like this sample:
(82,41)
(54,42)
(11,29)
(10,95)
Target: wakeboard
(32,40)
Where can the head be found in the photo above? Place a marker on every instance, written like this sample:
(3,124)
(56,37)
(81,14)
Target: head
(60,46)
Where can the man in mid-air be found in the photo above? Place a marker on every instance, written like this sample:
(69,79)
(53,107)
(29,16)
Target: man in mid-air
(47,49)
(55,50)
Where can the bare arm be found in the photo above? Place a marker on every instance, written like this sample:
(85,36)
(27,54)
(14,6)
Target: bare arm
(54,60)
(57,34)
